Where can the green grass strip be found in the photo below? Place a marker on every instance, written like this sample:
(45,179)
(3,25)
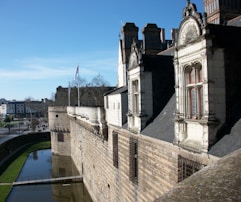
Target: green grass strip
(12,171)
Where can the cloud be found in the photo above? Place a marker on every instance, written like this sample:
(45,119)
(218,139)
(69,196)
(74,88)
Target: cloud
(37,68)
(34,72)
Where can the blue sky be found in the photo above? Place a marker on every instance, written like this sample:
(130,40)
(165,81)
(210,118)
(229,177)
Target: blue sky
(43,41)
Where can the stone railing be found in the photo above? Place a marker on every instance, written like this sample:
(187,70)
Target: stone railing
(92,115)
(91,118)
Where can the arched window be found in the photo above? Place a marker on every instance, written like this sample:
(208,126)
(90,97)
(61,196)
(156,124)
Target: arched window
(194,91)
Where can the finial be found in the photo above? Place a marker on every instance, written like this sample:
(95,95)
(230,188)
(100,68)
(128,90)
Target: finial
(188,2)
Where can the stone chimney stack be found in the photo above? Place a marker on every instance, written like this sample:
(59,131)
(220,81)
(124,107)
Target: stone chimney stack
(129,34)
(152,36)
(163,38)
(174,33)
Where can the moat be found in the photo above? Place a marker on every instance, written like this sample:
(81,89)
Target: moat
(42,164)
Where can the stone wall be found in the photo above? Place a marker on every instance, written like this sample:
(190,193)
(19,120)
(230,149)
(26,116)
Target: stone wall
(108,166)
(157,165)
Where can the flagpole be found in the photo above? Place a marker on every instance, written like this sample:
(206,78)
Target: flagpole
(78,83)
(78,94)
(69,94)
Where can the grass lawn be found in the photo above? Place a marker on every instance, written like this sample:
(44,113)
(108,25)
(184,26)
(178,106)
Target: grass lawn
(12,171)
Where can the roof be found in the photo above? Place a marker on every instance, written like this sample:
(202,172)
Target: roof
(235,22)
(229,142)
(169,51)
(218,181)
(162,126)
(116,91)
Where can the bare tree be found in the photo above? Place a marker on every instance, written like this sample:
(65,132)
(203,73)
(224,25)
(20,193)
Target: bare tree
(98,81)
(79,81)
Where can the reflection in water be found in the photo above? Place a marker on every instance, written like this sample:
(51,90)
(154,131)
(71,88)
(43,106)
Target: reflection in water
(43,166)
(63,166)
(35,155)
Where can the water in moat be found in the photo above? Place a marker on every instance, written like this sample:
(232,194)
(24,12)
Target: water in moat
(42,164)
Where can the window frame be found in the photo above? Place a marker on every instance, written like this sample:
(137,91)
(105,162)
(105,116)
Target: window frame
(193,91)
(133,160)
(115,149)
(187,167)
(60,137)
(135,92)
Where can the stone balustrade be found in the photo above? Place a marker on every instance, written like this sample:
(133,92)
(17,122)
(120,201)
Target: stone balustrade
(91,115)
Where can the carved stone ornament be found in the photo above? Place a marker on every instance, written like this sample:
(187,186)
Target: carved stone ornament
(191,25)
(134,56)
(188,32)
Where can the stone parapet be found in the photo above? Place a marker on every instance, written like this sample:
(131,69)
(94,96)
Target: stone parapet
(93,115)
(91,118)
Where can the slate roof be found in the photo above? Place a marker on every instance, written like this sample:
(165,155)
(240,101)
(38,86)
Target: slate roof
(169,51)
(115,91)
(229,142)
(235,22)
(162,126)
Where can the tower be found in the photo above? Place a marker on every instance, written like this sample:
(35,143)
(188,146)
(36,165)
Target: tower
(220,11)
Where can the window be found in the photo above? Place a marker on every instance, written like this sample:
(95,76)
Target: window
(115,148)
(60,137)
(194,92)
(62,172)
(107,102)
(187,167)
(135,96)
(133,158)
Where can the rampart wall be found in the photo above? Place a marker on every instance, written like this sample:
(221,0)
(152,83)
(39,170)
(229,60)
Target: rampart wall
(110,178)
(157,167)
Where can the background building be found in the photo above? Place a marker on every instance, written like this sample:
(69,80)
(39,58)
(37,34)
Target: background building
(221,11)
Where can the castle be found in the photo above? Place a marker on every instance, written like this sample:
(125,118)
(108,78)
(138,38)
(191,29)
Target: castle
(176,109)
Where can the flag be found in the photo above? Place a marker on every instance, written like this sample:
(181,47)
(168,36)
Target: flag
(76,76)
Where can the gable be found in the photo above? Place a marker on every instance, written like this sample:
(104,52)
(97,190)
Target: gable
(191,25)
(189,31)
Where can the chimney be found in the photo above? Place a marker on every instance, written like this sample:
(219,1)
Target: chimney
(151,39)
(129,34)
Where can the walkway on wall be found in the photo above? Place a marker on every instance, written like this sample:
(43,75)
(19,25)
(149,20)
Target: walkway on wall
(77,178)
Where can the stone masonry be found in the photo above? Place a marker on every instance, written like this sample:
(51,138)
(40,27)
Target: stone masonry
(93,156)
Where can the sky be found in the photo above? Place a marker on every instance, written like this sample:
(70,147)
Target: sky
(43,41)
